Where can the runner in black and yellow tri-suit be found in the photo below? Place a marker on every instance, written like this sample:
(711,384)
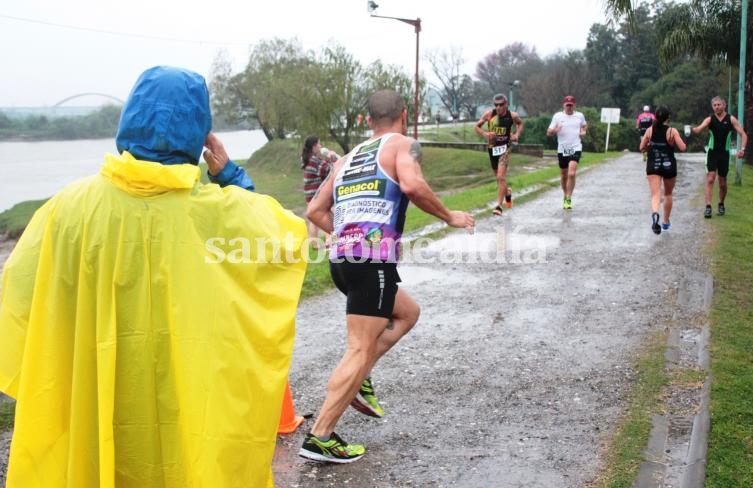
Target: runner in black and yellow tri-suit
(499,135)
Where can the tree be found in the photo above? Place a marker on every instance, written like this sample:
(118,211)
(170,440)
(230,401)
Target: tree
(637,65)
(336,92)
(287,90)
(623,60)
(685,90)
(266,90)
(332,96)
(498,69)
(602,50)
(562,74)
(474,96)
(710,30)
(453,89)
(515,61)
(619,8)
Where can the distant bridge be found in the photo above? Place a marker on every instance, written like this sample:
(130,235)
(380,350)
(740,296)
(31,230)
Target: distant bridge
(80,95)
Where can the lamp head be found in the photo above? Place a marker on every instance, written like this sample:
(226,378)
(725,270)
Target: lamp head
(371,6)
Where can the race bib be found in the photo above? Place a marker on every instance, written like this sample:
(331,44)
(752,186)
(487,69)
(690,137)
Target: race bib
(568,151)
(499,150)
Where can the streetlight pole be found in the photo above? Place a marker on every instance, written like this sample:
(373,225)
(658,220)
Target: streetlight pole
(741,88)
(416,23)
(513,85)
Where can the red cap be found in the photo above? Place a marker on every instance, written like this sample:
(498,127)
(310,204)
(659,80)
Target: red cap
(569,99)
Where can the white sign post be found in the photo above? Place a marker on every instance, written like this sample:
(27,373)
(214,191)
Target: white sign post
(609,116)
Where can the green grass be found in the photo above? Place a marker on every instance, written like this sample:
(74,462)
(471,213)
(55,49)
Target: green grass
(625,452)
(13,221)
(730,455)
(460,132)
(7,413)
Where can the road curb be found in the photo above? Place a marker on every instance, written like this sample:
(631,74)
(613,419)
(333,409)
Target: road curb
(691,470)
(695,473)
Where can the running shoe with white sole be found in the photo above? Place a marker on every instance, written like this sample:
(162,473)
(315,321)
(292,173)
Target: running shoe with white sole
(721,210)
(333,450)
(366,401)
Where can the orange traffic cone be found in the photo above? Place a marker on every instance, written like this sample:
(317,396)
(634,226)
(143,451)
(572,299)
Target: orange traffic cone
(288,419)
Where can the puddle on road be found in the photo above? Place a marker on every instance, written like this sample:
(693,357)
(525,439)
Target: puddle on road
(492,242)
(419,274)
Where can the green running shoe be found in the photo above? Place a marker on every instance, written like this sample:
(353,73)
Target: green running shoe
(333,450)
(366,402)
(567,203)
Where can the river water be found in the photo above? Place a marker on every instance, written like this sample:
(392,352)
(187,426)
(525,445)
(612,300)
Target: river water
(37,170)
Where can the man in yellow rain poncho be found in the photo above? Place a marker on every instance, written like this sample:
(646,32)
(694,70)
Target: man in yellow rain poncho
(147,320)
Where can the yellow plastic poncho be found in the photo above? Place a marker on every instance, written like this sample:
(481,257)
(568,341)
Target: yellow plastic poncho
(139,357)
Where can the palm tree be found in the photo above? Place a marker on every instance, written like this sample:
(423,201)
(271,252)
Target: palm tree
(706,29)
(617,9)
(710,31)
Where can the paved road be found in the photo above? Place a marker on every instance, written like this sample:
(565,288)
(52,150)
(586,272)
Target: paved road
(518,370)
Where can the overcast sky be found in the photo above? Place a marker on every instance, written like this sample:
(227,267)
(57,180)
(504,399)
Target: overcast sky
(107,44)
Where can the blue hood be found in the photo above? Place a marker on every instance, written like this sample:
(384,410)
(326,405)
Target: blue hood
(166,117)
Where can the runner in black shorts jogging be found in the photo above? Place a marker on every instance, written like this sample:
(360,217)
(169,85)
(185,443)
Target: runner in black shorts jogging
(369,189)
(499,137)
(660,142)
(570,127)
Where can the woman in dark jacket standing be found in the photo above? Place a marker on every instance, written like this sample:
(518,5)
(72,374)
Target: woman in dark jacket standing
(316,163)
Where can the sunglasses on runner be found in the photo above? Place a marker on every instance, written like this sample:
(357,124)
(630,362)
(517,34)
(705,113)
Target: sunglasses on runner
(501,104)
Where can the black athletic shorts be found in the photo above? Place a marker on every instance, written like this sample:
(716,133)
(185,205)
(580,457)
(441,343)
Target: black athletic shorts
(665,169)
(494,160)
(718,161)
(370,286)
(564,161)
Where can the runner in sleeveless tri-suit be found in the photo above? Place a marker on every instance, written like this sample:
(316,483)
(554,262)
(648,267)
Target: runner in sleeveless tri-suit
(720,124)
(369,190)
(660,142)
(499,137)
